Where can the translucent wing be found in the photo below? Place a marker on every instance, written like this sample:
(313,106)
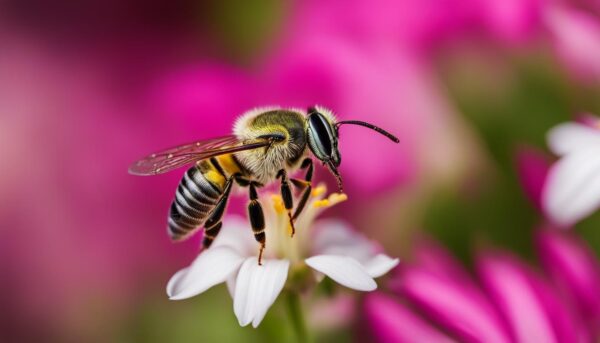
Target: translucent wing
(173,158)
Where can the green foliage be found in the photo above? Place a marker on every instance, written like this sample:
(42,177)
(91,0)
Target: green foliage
(207,318)
(243,29)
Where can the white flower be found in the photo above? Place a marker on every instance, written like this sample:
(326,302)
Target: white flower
(572,189)
(336,251)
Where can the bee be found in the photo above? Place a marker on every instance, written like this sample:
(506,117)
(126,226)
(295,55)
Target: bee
(267,144)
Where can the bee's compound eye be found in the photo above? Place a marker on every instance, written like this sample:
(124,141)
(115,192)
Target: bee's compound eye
(320,136)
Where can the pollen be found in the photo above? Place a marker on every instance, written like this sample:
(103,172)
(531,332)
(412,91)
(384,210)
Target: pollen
(333,199)
(336,198)
(321,203)
(318,191)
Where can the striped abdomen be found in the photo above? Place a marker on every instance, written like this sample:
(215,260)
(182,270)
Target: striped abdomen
(195,198)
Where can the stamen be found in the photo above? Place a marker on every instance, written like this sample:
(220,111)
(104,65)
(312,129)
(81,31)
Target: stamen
(336,198)
(333,199)
(318,191)
(321,203)
(278,204)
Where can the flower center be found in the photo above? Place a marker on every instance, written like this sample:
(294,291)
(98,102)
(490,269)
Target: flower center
(280,244)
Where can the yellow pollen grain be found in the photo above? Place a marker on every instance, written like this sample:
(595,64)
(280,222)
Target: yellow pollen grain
(318,191)
(336,198)
(321,203)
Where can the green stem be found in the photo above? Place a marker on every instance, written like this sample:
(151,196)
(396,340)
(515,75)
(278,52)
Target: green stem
(297,316)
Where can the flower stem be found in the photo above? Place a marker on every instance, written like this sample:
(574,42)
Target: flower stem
(297,316)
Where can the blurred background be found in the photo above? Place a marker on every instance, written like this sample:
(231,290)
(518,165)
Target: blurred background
(87,87)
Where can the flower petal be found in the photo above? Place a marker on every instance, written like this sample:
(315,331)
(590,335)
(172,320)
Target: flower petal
(571,137)
(462,310)
(380,265)
(430,255)
(567,322)
(507,282)
(335,237)
(572,190)
(532,166)
(344,270)
(237,235)
(574,268)
(575,34)
(391,321)
(210,268)
(257,287)
(231,285)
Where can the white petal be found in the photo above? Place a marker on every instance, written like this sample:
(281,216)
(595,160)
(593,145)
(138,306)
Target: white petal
(211,267)
(334,237)
(380,264)
(570,137)
(572,190)
(237,234)
(231,285)
(257,287)
(344,270)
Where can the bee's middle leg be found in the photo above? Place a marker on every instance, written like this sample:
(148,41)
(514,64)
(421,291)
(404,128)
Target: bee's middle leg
(286,195)
(213,224)
(257,219)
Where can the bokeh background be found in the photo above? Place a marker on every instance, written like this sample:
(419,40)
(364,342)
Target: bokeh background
(87,87)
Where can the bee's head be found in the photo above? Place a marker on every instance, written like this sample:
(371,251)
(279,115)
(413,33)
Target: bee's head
(322,134)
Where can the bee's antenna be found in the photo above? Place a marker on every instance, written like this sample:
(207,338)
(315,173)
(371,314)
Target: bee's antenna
(370,126)
(337,175)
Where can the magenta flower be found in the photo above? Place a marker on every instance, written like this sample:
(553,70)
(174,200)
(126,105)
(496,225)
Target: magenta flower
(532,167)
(393,321)
(510,302)
(575,36)
(574,268)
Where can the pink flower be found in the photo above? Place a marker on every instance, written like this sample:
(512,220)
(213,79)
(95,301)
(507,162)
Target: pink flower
(575,269)
(532,168)
(393,321)
(575,37)
(512,21)
(512,303)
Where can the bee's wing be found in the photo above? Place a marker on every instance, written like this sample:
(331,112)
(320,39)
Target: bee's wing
(173,158)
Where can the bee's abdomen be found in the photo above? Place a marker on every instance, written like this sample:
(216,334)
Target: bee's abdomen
(195,198)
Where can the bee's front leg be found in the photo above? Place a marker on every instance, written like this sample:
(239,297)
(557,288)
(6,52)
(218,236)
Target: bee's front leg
(304,185)
(257,219)
(286,195)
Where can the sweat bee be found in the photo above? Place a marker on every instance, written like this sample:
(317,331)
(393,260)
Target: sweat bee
(267,144)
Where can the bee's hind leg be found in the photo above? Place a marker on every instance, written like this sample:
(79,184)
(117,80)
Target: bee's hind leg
(213,224)
(257,219)
(286,195)
(304,185)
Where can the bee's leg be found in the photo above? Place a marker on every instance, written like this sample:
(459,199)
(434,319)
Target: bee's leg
(213,224)
(286,195)
(305,185)
(257,220)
